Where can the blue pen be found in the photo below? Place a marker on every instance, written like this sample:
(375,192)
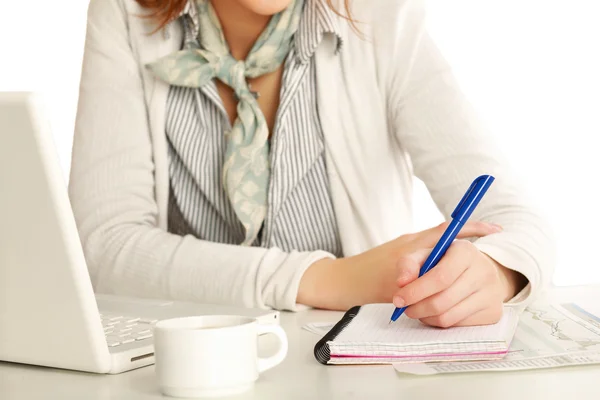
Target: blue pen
(461,214)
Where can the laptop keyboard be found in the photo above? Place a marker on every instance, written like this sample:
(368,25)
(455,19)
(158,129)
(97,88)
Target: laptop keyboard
(121,329)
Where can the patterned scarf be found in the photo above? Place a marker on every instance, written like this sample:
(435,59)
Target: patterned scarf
(246,170)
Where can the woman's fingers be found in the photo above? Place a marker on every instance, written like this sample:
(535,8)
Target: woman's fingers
(409,266)
(466,284)
(457,259)
(480,308)
(429,237)
(478,229)
(487,316)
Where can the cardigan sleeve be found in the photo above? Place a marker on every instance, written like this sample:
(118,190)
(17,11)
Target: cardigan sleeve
(112,194)
(449,147)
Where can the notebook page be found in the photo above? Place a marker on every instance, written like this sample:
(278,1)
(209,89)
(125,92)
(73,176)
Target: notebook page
(371,325)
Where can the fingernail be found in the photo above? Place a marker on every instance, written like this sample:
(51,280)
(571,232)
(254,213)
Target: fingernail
(398,301)
(497,227)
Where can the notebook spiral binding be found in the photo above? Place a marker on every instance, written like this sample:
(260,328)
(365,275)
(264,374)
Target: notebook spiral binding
(321,351)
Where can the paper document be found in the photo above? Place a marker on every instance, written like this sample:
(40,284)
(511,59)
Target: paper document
(319,328)
(548,336)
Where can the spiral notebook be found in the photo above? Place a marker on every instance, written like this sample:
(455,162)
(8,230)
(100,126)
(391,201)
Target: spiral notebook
(365,336)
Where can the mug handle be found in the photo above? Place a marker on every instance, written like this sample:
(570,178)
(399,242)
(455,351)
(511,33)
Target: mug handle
(269,362)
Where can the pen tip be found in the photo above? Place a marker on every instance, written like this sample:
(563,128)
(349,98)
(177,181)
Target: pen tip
(390,322)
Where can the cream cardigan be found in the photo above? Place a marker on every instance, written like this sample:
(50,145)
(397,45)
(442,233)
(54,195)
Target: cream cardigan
(390,108)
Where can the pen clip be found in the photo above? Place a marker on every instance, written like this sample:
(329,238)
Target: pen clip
(459,208)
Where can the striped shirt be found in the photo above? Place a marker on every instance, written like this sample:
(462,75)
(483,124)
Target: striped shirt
(300,214)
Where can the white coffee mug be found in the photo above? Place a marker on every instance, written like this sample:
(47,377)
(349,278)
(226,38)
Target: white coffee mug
(208,356)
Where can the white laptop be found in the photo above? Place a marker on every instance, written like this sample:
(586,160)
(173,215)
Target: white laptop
(49,314)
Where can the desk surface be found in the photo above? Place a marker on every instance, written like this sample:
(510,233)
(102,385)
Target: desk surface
(301,377)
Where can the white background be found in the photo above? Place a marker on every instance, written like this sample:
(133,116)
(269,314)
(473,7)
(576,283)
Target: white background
(531,67)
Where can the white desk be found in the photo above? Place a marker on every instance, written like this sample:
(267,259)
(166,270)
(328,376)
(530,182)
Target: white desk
(301,377)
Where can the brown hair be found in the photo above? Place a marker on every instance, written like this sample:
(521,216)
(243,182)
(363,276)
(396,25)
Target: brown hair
(163,11)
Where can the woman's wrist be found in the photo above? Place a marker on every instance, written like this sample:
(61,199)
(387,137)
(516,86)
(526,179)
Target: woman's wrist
(320,285)
(513,281)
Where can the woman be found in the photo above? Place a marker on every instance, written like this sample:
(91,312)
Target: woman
(284,179)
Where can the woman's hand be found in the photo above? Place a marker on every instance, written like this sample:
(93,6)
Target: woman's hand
(376,275)
(466,287)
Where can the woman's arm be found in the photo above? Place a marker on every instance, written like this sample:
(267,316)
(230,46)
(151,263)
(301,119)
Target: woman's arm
(449,147)
(112,194)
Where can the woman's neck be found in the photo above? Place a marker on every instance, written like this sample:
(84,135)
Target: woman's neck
(241,27)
